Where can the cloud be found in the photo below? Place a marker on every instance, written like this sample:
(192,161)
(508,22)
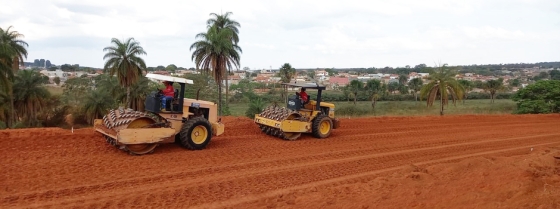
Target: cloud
(307,34)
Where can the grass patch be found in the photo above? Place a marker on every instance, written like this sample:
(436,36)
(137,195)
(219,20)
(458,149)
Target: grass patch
(409,108)
(54,90)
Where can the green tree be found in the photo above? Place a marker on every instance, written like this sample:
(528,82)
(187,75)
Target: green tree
(375,89)
(514,82)
(12,53)
(467,86)
(392,87)
(215,52)
(287,72)
(493,86)
(123,59)
(402,79)
(415,85)
(224,22)
(96,104)
(355,87)
(171,68)
(56,80)
(31,96)
(540,97)
(443,84)
(554,74)
(75,89)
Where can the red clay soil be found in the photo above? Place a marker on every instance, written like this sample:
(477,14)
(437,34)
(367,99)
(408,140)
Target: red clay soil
(498,161)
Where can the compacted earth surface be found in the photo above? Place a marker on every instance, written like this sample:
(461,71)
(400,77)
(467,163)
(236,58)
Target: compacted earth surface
(470,161)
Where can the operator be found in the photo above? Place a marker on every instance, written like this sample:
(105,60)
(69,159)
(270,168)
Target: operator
(168,93)
(304,96)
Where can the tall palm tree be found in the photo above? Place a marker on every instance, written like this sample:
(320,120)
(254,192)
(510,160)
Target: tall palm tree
(31,95)
(12,52)
(123,59)
(442,84)
(216,52)
(415,85)
(493,86)
(223,22)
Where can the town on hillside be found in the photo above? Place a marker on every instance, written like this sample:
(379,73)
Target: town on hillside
(334,79)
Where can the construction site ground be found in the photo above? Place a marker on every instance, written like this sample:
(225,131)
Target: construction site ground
(493,161)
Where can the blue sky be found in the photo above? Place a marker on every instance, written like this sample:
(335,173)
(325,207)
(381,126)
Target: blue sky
(306,34)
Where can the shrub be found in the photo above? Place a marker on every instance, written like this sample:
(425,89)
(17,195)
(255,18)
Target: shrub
(540,97)
(255,107)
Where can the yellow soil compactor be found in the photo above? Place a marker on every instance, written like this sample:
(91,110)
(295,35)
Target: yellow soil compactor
(189,122)
(290,122)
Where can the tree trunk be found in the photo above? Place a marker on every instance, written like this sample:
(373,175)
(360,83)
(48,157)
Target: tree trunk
(219,99)
(492,97)
(373,103)
(128,96)
(355,96)
(441,103)
(415,96)
(13,117)
(227,88)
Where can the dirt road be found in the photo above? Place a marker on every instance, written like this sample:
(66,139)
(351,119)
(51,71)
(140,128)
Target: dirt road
(387,162)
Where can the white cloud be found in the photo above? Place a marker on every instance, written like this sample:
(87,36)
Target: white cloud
(307,34)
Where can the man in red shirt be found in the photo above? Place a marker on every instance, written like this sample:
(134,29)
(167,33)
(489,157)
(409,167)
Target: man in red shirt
(304,96)
(168,93)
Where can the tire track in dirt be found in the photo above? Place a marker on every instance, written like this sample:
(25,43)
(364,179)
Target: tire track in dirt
(337,152)
(290,167)
(247,162)
(349,178)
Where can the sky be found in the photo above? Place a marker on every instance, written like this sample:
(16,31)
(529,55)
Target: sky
(304,33)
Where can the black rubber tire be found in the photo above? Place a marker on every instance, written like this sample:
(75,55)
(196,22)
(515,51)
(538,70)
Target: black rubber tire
(187,129)
(317,125)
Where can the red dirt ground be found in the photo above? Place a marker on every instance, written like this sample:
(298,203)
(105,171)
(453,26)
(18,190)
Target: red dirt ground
(498,161)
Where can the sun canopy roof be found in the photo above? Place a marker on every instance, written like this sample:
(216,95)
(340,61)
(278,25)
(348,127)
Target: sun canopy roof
(169,78)
(306,85)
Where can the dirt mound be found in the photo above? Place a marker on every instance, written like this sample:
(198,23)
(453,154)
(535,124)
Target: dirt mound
(503,161)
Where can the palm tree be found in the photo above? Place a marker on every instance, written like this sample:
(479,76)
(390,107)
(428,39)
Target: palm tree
(4,106)
(12,52)
(216,52)
(31,95)
(493,86)
(138,92)
(468,86)
(223,22)
(442,84)
(123,59)
(374,88)
(287,72)
(355,86)
(96,104)
(415,85)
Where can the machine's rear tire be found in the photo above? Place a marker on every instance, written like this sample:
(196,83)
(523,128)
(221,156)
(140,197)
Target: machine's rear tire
(196,133)
(322,126)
